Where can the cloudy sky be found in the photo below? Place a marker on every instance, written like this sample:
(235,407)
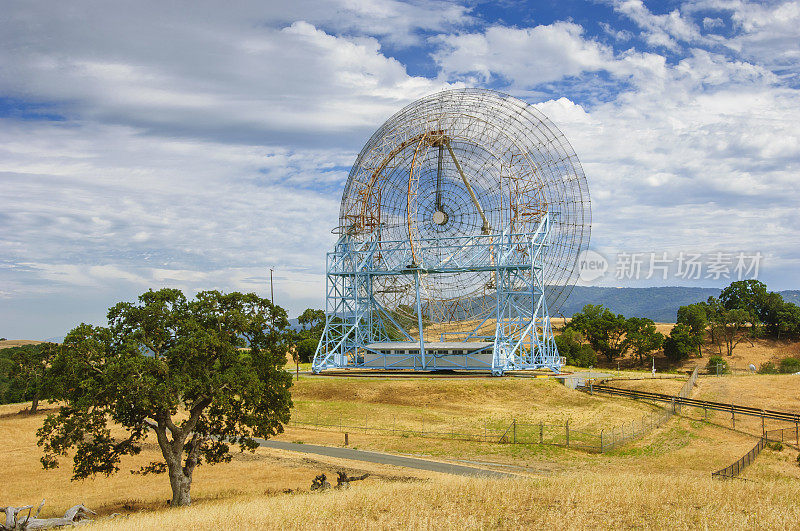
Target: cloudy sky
(197,144)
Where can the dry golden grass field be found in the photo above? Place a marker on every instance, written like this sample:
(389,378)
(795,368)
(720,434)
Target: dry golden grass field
(469,402)
(572,501)
(8,343)
(660,480)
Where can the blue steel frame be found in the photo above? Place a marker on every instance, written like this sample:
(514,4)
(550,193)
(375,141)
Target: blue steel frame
(355,319)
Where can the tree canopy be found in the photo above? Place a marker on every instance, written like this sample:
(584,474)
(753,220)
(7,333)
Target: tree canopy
(695,317)
(605,331)
(175,368)
(312,323)
(23,371)
(680,343)
(570,345)
(642,336)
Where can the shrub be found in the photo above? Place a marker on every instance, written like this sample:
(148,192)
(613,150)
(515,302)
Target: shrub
(775,446)
(768,368)
(715,361)
(790,365)
(785,366)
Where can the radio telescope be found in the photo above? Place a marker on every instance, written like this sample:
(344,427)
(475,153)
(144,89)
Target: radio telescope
(460,228)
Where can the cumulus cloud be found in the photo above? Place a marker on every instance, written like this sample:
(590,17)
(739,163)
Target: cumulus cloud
(697,153)
(199,147)
(659,30)
(205,72)
(528,56)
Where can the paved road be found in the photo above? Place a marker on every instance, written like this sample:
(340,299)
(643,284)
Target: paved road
(384,459)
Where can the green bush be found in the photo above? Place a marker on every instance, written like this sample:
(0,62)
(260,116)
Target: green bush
(786,366)
(768,368)
(713,361)
(790,365)
(775,446)
(306,349)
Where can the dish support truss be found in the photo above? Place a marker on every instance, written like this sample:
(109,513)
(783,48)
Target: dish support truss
(354,319)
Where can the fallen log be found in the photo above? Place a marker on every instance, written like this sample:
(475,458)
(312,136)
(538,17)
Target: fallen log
(343,480)
(74,515)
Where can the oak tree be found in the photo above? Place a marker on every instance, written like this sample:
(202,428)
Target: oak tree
(199,374)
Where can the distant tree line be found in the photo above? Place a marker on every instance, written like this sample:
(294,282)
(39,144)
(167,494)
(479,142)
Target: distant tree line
(743,311)
(22,373)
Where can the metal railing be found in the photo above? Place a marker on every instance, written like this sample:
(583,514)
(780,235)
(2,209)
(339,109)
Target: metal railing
(683,400)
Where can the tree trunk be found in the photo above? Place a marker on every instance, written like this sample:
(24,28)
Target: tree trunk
(180,478)
(35,403)
(181,485)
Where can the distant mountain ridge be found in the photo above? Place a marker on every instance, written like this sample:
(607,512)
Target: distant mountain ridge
(659,303)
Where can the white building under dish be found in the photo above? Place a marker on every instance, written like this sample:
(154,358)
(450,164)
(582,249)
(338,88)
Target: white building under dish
(438,355)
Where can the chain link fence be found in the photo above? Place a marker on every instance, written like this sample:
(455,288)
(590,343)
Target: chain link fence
(619,435)
(492,431)
(780,435)
(501,431)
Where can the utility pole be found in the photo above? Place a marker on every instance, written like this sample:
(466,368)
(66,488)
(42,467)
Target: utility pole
(271,292)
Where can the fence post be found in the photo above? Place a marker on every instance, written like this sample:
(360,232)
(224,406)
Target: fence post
(515,431)
(733,417)
(601,441)
(763,429)
(567,428)
(541,432)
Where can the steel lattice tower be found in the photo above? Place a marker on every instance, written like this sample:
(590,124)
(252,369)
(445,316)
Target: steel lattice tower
(462,220)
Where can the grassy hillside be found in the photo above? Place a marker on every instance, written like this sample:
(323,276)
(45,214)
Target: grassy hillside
(8,343)
(266,472)
(573,500)
(469,402)
(660,480)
